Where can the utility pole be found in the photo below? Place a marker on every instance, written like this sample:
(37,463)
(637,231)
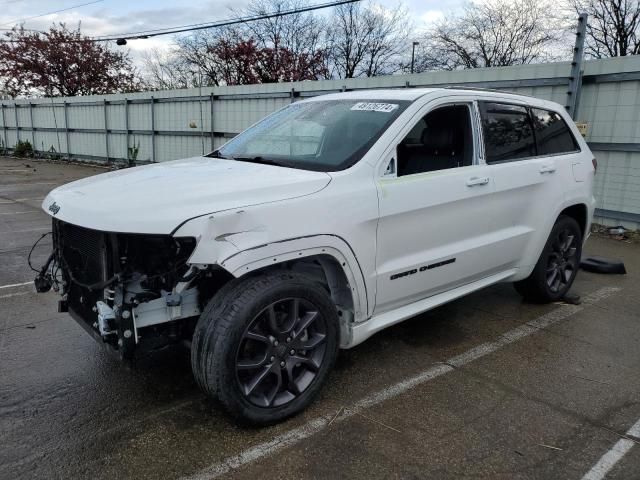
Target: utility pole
(575,78)
(413,54)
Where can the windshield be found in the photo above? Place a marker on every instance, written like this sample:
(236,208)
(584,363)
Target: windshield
(324,135)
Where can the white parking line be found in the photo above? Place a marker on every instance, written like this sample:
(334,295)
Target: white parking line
(18,213)
(9,202)
(316,425)
(13,285)
(18,294)
(614,455)
(10,185)
(38,229)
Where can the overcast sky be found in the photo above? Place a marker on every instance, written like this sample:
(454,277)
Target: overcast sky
(118,16)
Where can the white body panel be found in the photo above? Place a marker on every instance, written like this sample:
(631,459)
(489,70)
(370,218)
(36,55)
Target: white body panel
(415,231)
(157,198)
(247,216)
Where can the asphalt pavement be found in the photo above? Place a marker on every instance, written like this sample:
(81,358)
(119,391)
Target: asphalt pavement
(484,387)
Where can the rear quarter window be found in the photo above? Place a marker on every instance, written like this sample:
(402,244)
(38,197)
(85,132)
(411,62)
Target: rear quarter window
(553,136)
(507,131)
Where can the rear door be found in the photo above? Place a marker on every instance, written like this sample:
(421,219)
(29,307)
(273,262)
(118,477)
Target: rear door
(434,198)
(528,179)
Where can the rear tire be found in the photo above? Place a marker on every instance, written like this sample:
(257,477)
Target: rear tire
(265,345)
(557,266)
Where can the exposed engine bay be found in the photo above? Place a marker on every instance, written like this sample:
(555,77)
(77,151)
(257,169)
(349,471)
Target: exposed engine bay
(127,289)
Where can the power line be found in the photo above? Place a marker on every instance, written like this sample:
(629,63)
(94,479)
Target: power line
(25,29)
(222,23)
(13,22)
(122,37)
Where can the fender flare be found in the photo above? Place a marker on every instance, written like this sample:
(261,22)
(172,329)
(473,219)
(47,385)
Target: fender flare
(538,247)
(261,256)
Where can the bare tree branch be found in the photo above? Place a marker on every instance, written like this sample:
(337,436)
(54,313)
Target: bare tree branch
(287,48)
(491,34)
(367,40)
(168,70)
(613,28)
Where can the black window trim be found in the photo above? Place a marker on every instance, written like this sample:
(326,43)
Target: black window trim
(528,108)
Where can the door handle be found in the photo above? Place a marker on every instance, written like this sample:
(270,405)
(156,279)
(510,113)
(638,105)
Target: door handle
(547,169)
(476,181)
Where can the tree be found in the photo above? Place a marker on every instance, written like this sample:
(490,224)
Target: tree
(278,49)
(238,61)
(367,41)
(493,33)
(244,62)
(199,53)
(283,65)
(613,28)
(62,62)
(355,41)
(298,36)
(166,70)
(231,59)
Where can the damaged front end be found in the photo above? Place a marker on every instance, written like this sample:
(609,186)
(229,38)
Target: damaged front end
(134,292)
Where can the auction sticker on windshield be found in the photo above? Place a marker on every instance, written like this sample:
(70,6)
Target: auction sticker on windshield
(375,107)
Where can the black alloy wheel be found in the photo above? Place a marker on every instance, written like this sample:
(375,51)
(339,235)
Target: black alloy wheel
(562,261)
(281,352)
(557,265)
(265,344)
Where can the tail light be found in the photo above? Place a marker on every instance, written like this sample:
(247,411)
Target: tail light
(595,165)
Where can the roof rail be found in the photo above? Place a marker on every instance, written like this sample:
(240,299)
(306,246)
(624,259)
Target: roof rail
(480,89)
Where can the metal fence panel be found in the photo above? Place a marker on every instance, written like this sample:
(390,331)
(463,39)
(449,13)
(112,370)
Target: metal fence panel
(170,148)
(90,145)
(12,137)
(139,116)
(166,125)
(115,114)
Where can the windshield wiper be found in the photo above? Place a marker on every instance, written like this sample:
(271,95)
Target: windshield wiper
(216,154)
(262,160)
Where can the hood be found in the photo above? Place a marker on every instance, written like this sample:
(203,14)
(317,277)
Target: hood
(157,198)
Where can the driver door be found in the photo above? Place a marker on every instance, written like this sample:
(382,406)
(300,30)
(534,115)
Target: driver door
(433,232)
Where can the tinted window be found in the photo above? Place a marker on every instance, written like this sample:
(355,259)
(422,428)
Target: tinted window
(440,140)
(414,137)
(507,132)
(552,133)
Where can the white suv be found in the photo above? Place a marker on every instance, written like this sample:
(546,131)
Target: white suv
(329,220)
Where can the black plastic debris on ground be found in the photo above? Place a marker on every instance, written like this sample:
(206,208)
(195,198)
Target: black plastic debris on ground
(602,265)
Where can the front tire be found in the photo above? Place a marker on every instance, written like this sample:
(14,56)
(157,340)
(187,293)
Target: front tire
(557,266)
(265,346)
